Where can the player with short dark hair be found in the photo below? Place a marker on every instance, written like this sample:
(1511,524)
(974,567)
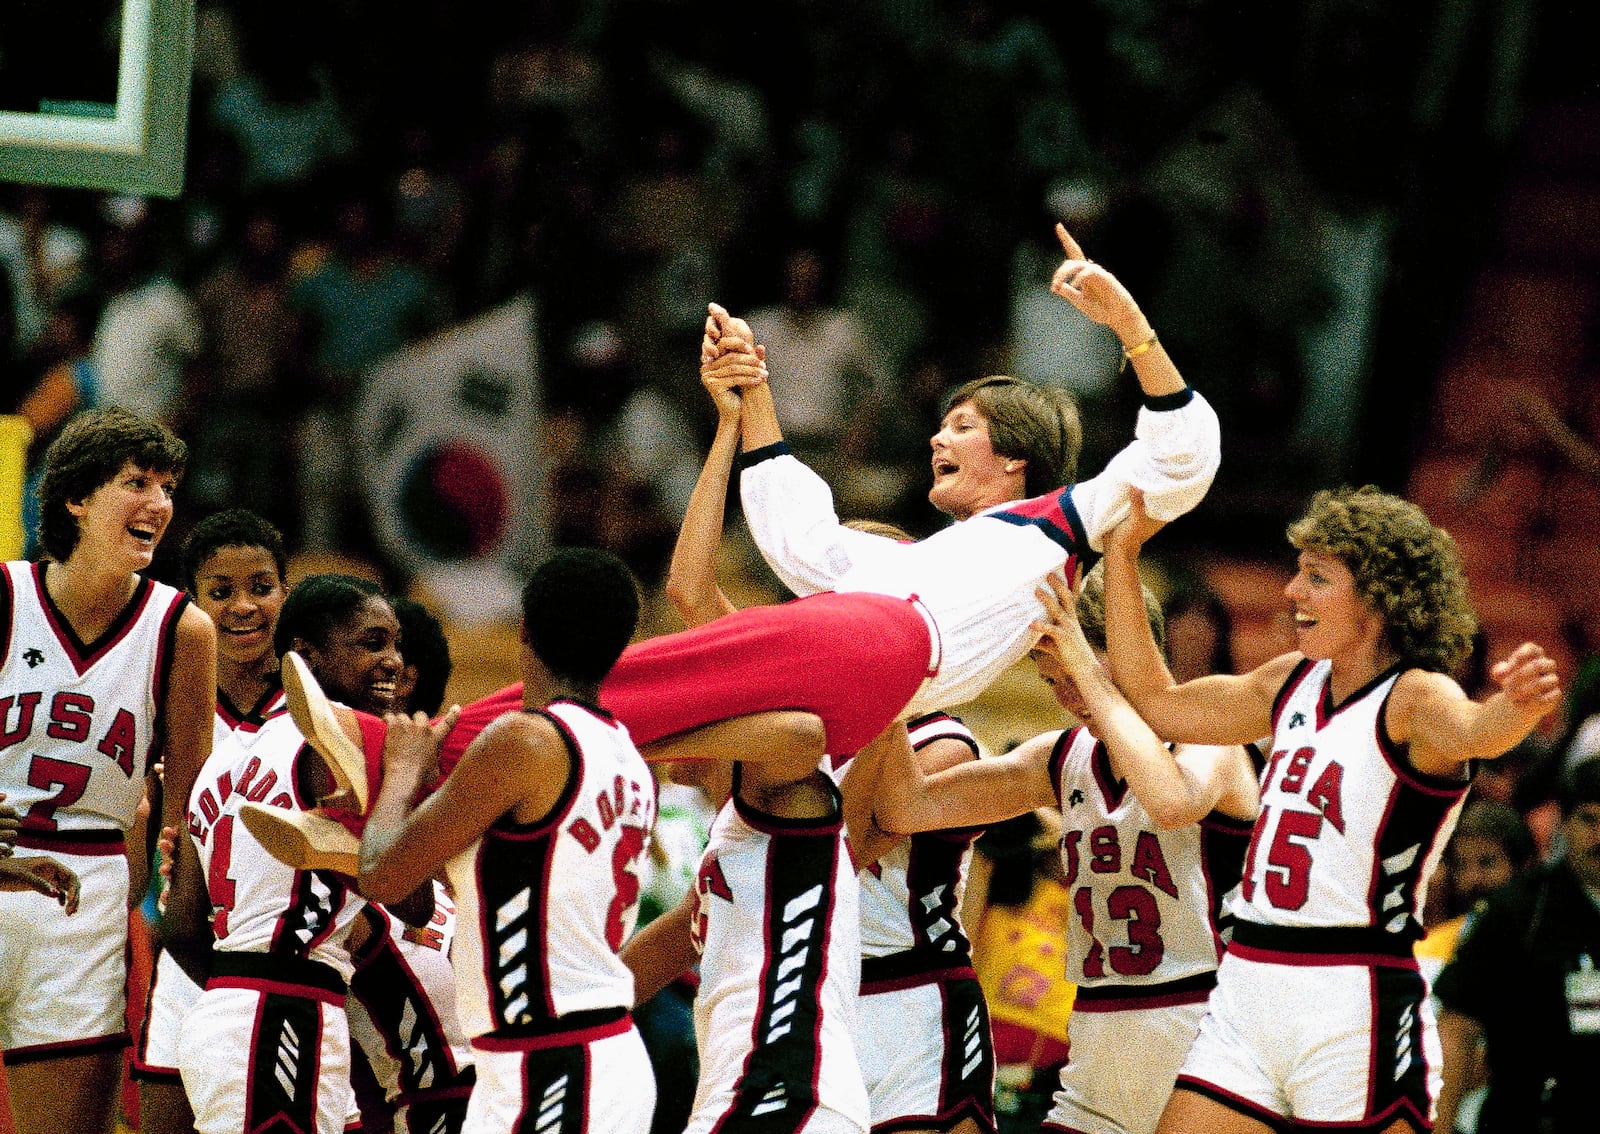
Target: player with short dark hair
(540,828)
(103,674)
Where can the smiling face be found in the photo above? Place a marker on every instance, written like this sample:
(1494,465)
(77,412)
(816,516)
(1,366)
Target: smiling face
(968,475)
(240,589)
(359,664)
(121,522)
(1330,619)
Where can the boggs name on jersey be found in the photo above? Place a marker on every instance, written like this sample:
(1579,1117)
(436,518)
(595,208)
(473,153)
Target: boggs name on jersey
(71,718)
(625,802)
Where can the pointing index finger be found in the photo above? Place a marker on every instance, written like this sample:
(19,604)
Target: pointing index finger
(1068,245)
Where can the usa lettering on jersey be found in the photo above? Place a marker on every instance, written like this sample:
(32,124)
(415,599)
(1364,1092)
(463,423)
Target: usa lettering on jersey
(78,721)
(1324,853)
(1143,899)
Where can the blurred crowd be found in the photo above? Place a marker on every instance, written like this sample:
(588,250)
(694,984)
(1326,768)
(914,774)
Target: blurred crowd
(873,183)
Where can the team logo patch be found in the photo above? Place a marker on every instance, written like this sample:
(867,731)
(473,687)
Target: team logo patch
(1074,797)
(1297,720)
(34,656)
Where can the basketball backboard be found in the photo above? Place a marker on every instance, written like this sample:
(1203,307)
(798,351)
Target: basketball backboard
(94,94)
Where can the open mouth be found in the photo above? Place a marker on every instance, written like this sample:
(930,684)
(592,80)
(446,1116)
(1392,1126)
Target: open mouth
(384,689)
(242,631)
(1303,621)
(943,466)
(142,533)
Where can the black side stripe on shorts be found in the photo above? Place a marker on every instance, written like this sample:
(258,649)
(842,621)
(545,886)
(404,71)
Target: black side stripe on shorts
(285,1061)
(968,1076)
(555,1091)
(404,1017)
(777,1091)
(1400,1069)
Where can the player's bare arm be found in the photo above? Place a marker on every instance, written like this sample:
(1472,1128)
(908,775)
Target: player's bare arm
(974,793)
(518,765)
(692,576)
(1100,296)
(786,736)
(859,787)
(188,712)
(1220,709)
(1445,728)
(726,339)
(10,824)
(1176,789)
(662,951)
(186,922)
(44,874)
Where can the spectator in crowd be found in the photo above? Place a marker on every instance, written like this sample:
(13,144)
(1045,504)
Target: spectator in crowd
(1524,984)
(1491,846)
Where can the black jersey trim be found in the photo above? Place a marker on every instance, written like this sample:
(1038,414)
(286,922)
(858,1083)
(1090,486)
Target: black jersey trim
(507,825)
(84,655)
(1164,402)
(765,453)
(1058,756)
(8,602)
(1286,690)
(770,824)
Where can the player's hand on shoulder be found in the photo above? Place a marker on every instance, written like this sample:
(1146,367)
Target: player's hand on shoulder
(1060,624)
(1129,536)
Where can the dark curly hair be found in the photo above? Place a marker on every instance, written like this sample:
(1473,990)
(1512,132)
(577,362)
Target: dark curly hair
(89,452)
(423,644)
(1033,423)
(579,611)
(1407,570)
(232,527)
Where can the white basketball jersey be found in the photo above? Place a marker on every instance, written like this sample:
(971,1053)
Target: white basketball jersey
(778,929)
(258,904)
(910,896)
(402,1003)
(228,718)
(1144,900)
(542,909)
(1349,832)
(78,720)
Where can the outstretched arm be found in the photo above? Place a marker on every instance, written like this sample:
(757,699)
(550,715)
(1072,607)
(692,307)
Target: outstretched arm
(662,951)
(1175,788)
(692,578)
(859,787)
(1445,728)
(1220,709)
(517,762)
(1177,442)
(971,794)
(789,508)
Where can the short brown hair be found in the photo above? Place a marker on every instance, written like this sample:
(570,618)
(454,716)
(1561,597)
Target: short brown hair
(1092,609)
(1032,423)
(1409,571)
(90,452)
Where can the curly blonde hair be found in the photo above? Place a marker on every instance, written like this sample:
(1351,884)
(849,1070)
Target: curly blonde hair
(1407,569)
